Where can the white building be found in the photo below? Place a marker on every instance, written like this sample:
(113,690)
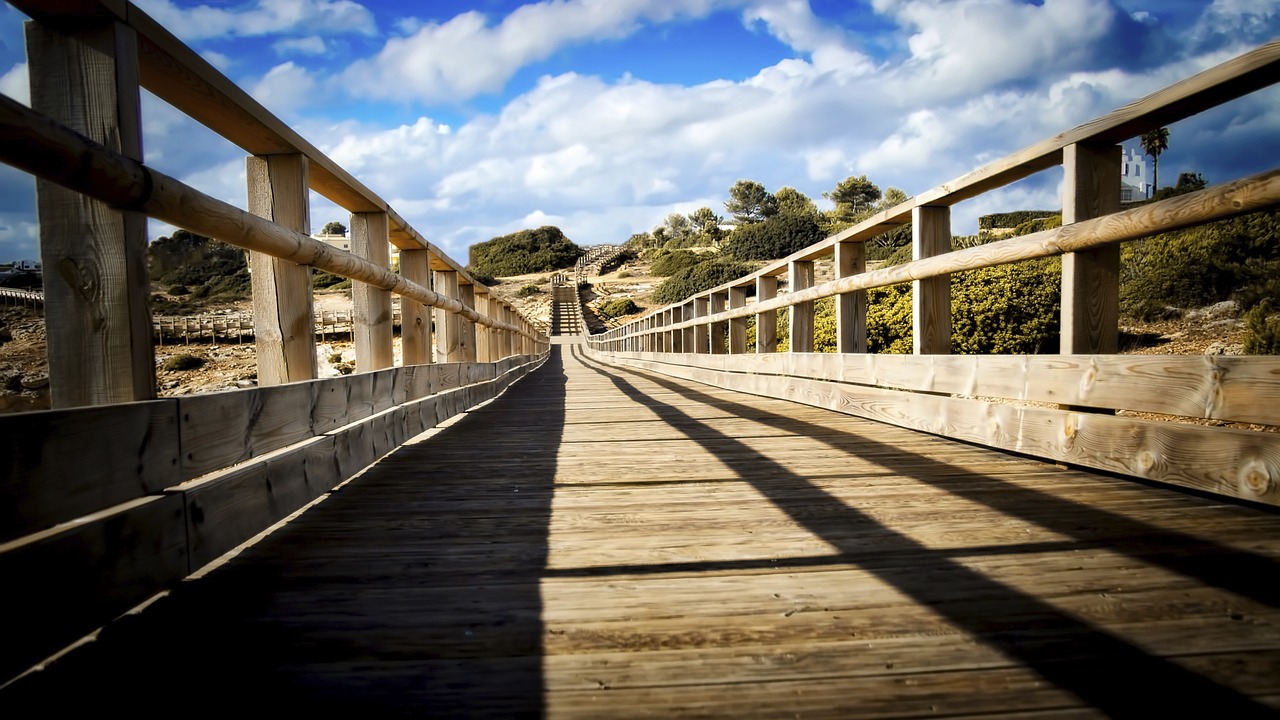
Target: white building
(343,242)
(1133,175)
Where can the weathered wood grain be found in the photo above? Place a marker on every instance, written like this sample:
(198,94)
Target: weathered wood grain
(371,306)
(62,464)
(97,318)
(800,278)
(1090,278)
(1236,463)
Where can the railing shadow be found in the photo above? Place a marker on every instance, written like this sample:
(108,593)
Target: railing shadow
(412,591)
(1103,670)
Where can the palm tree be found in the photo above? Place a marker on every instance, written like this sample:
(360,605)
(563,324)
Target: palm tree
(1155,142)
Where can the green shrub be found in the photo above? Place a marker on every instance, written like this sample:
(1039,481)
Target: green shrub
(523,252)
(184,361)
(179,290)
(1262,330)
(1012,219)
(618,307)
(1229,259)
(321,279)
(703,276)
(673,262)
(777,237)
(528,291)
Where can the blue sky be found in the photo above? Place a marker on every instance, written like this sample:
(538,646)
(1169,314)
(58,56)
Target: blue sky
(475,119)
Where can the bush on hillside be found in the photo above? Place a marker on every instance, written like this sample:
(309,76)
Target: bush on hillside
(618,307)
(703,276)
(673,262)
(209,268)
(523,252)
(777,237)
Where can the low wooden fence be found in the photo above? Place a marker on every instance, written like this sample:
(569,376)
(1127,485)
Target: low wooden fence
(328,324)
(1150,417)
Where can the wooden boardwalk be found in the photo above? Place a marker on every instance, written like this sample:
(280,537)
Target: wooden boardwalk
(604,543)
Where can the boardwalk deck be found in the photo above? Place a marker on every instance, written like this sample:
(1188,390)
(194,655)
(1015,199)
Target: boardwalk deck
(607,543)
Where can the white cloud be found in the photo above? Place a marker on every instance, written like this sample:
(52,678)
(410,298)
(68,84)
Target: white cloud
(284,88)
(468,56)
(311,45)
(16,84)
(262,17)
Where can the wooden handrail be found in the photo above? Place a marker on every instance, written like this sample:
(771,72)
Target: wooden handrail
(42,147)
(1219,202)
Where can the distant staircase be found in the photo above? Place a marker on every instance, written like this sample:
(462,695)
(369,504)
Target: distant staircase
(566,314)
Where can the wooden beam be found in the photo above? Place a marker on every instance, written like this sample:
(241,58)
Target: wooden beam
(466,328)
(851,308)
(415,318)
(766,322)
(931,297)
(800,277)
(1090,278)
(448,325)
(737,326)
(96,286)
(284,323)
(701,331)
(719,330)
(371,306)
(484,344)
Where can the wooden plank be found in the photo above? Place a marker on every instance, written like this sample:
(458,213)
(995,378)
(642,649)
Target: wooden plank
(1090,278)
(851,308)
(66,582)
(737,326)
(415,318)
(766,322)
(484,341)
(466,328)
(448,325)
(283,316)
(719,331)
(221,429)
(226,509)
(701,331)
(96,290)
(931,297)
(371,324)
(800,277)
(1225,388)
(62,464)
(1235,463)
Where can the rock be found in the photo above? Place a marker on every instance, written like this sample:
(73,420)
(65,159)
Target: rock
(1220,348)
(35,382)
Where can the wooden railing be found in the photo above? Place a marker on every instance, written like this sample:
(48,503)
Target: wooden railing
(1081,407)
(115,495)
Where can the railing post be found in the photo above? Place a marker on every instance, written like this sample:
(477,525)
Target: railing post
(415,318)
(98,320)
(448,325)
(467,328)
(484,335)
(766,322)
(931,297)
(284,323)
(851,308)
(701,331)
(800,277)
(737,326)
(719,330)
(687,342)
(371,306)
(675,315)
(660,339)
(1090,278)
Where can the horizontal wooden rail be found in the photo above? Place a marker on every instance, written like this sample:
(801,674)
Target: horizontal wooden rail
(1235,78)
(1236,463)
(181,77)
(1227,200)
(42,147)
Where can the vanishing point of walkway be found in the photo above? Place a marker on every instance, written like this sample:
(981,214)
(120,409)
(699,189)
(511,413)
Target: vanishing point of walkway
(603,543)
